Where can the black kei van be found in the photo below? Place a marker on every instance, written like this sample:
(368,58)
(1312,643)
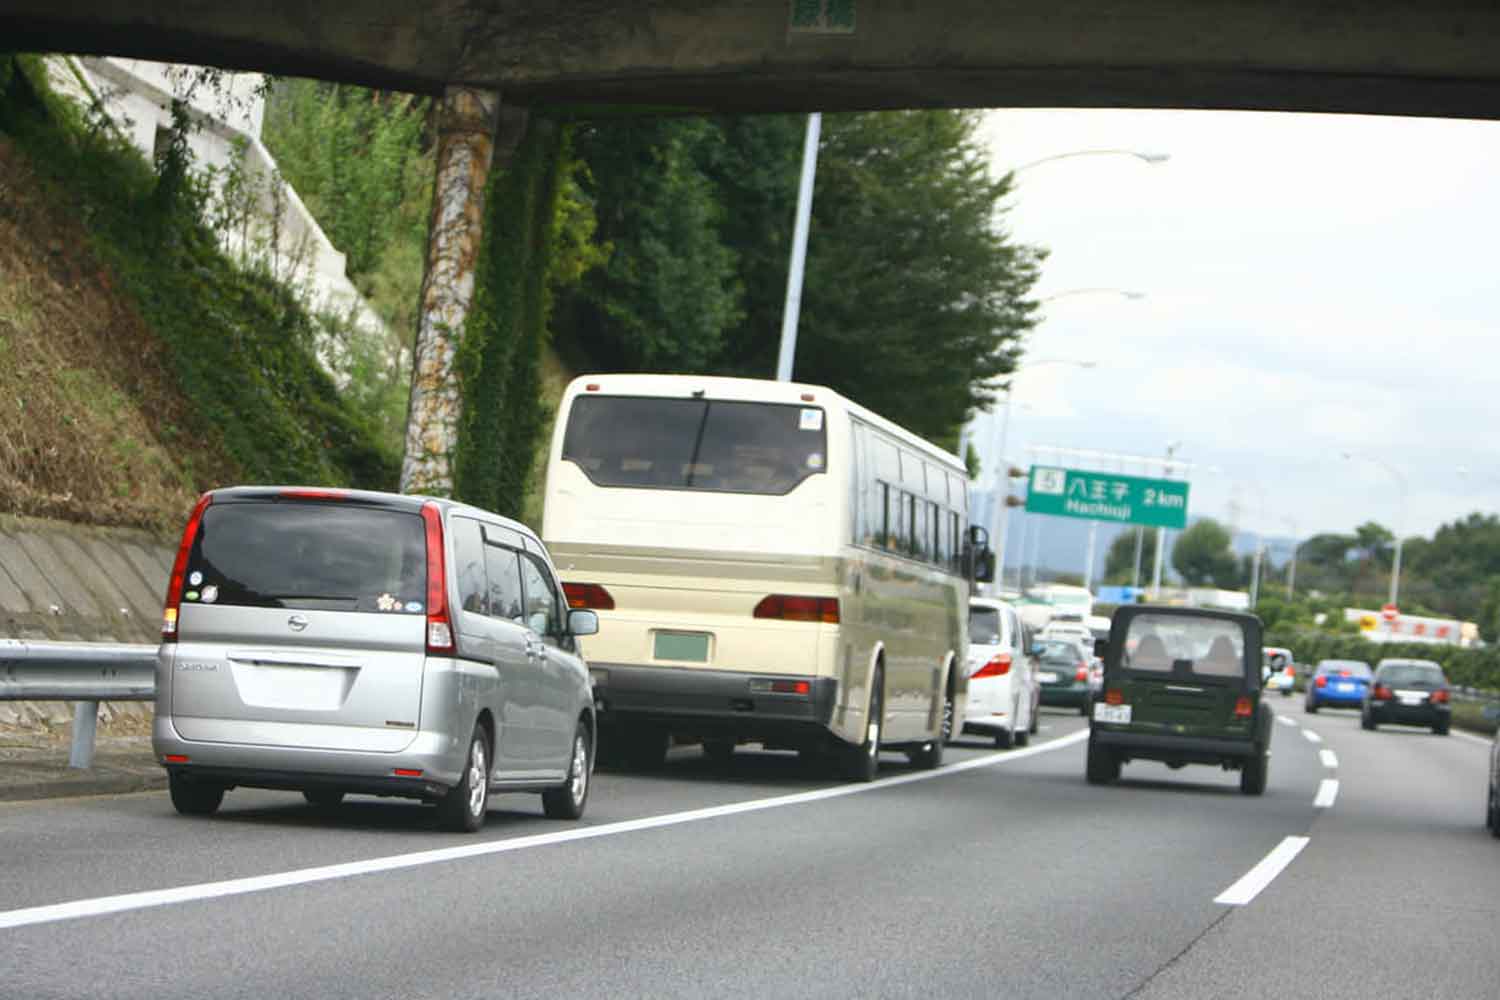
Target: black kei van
(1182,686)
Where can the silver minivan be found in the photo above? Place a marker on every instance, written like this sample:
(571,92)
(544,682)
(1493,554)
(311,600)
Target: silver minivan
(341,641)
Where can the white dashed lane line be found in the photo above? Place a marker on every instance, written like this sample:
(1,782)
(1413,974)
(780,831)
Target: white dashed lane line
(1328,791)
(1257,878)
(1286,720)
(1312,737)
(1330,759)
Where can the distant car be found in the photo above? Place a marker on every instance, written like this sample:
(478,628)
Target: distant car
(1182,686)
(1002,685)
(1408,692)
(1280,673)
(1077,631)
(1337,683)
(1492,814)
(1063,673)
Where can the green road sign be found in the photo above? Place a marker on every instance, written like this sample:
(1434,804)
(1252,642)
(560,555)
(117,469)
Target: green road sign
(1105,496)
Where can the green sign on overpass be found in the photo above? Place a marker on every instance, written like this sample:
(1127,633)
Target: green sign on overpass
(1106,496)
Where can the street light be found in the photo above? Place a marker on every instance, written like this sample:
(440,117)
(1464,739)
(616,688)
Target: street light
(1150,159)
(1122,292)
(1401,482)
(999,514)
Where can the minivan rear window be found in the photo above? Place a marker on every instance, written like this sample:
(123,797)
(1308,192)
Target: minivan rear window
(312,556)
(1212,647)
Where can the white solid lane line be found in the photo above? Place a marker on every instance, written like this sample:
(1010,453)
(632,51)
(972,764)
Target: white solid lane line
(1286,720)
(1257,878)
(1312,737)
(1328,791)
(280,880)
(1470,737)
(1330,759)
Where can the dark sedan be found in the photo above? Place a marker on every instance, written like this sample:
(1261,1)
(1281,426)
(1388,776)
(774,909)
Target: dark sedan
(1408,692)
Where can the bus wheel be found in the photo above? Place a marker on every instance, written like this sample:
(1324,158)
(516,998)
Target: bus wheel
(863,761)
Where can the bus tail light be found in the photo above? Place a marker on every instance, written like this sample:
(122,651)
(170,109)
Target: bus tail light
(998,666)
(1242,708)
(439,629)
(794,608)
(588,595)
(173,605)
(780,686)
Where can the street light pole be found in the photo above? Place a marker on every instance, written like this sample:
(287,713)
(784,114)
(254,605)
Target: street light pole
(793,307)
(1291,576)
(1400,482)
(1150,159)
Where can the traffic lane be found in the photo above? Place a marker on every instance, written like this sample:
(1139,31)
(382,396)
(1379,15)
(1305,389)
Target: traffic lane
(1017,875)
(1399,886)
(58,850)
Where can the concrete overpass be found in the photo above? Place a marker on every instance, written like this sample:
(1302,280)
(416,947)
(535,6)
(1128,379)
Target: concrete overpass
(1408,57)
(1436,57)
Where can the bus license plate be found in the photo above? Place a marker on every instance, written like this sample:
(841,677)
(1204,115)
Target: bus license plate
(1111,713)
(687,647)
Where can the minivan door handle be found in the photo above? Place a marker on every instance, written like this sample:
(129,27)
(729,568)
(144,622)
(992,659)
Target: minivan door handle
(533,647)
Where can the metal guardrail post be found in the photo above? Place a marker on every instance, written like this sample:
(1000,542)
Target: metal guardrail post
(85,728)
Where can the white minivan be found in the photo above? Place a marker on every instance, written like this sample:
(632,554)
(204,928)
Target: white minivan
(1003,693)
(339,641)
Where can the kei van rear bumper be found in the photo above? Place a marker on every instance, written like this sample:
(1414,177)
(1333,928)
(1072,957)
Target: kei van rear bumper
(1170,748)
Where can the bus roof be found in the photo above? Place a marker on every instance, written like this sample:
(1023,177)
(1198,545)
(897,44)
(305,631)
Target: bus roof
(750,390)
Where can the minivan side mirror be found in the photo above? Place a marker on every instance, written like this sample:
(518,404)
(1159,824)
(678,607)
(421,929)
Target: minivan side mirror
(581,621)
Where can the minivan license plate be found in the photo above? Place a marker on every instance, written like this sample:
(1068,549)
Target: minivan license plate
(1111,713)
(688,647)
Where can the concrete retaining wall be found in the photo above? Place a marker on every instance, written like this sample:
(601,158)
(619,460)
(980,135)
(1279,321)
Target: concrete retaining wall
(72,582)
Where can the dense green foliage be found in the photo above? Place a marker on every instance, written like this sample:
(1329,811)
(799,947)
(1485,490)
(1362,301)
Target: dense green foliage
(913,297)
(1119,561)
(361,160)
(1202,555)
(1466,667)
(500,357)
(239,343)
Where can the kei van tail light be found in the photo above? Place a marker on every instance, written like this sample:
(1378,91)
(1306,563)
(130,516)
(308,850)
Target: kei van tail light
(588,595)
(793,608)
(998,666)
(1114,696)
(439,626)
(173,605)
(1242,708)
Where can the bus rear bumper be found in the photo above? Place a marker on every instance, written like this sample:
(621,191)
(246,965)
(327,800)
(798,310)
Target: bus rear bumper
(722,703)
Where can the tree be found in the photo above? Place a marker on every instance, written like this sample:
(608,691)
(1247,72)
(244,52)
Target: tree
(1203,555)
(1119,562)
(915,297)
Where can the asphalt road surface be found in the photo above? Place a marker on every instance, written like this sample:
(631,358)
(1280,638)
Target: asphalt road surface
(1002,875)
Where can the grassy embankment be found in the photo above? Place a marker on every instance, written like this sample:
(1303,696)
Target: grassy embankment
(139,364)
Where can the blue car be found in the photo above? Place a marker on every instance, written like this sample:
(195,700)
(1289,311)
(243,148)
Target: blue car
(1338,683)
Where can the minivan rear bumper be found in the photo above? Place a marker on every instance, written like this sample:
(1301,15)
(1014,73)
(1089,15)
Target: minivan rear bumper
(709,702)
(1171,748)
(304,767)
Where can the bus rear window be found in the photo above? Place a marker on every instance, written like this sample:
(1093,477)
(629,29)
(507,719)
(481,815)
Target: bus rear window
(715,445)
(309,556)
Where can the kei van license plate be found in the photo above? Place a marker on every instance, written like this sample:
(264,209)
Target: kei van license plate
(1111,713)
(687,647)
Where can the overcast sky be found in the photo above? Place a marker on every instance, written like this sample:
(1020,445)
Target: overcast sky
(1314,284)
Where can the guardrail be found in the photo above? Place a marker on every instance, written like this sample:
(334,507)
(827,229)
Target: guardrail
(82,672)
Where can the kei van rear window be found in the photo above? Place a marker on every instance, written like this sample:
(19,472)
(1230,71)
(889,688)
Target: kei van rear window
(312,556)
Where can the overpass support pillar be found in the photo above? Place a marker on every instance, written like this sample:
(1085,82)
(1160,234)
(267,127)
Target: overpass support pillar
(467,126)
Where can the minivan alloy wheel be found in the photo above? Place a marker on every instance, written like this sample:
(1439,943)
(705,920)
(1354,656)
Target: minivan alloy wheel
(477,778)
(579,786)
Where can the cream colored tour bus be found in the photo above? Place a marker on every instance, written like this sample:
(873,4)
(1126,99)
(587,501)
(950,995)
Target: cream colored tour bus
(770,563)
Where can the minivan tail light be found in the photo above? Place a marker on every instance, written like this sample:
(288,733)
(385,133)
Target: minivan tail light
(588,595)
(1242,708)
(998,666)
(173,603)
(795,608)
(439,629)
(310,494)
